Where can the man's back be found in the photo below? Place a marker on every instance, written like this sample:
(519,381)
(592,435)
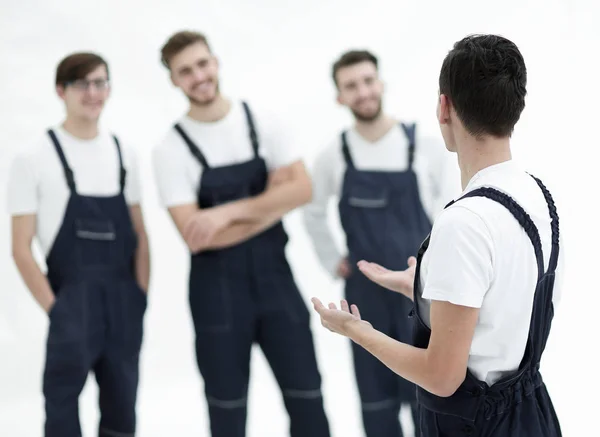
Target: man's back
(498,267)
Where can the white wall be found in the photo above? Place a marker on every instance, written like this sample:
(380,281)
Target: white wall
(280,53)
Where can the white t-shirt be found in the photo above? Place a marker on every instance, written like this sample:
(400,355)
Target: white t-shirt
(224,142)
(37,183)
(479,256)
(437,172)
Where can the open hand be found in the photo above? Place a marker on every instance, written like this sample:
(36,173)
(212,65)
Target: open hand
(203,226)
(400,281)
(343,321)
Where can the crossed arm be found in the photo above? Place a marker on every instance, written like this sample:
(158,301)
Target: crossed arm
(232,223)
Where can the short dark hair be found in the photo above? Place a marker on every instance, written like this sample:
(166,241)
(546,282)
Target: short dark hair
(485,78)
(77,66)
(179,41)
(350,58)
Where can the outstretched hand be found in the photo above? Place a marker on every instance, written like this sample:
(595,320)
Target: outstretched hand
(343,321)
(398,281)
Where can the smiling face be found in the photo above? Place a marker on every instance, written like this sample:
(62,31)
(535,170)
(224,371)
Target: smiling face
(85,98)
(195,70)
(361,90)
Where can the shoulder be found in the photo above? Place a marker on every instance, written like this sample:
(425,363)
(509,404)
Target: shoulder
(461,218)
(126,147)
(35,152)
(169,143)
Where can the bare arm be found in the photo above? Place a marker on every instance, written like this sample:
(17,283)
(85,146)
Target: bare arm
(23,231)
(233,234)
(142,255)
(442,367)
(439,369)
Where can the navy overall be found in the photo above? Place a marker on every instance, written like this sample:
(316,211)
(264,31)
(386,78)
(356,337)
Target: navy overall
(96,322)
(517,405)
(384,222)
(246,294)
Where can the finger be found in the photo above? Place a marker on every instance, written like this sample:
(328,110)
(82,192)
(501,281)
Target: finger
(355,311)
(344,305)
(412,261)
(318,305)
(332,306)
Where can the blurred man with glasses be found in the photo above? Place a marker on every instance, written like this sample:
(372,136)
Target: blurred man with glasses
(76,190)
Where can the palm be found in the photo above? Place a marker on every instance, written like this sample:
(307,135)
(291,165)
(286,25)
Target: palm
(340,320)
(400,281)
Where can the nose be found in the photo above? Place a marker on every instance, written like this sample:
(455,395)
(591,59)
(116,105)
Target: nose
(200,75)
(363,92)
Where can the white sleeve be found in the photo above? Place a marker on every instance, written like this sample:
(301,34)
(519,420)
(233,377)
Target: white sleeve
(277,141)
(315,214)
(132,190)
(22,194)
(460,259)
(173,184)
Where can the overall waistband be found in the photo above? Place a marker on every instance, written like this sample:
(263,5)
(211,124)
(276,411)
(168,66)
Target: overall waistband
(474,398)
(94,273)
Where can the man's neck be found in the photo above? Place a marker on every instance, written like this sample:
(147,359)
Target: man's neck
(83,129)
(375,129)
(474,155)
(214,111)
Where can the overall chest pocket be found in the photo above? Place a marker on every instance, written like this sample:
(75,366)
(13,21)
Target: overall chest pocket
(366,196)
(96,241)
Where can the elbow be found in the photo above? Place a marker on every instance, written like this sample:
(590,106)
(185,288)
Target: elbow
(305,192)
(446,384)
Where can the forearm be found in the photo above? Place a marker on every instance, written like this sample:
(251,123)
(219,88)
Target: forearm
(34,279)
(142,262)
(239,232)
(274,202)
(411,363)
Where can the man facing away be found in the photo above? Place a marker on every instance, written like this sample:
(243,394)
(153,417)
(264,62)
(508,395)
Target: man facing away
(390,182)
(77,191)
(485,282)
(227,176)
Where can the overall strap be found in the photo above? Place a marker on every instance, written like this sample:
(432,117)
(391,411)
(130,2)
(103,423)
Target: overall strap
(346,150)
(410,132)
(122,171)
(519,214)
(192,146)
(63,160)
(554,225)
(251,129)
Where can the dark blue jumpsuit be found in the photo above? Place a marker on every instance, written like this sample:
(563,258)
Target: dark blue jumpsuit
(245,294)
(96,322)
(517,405)
(384,222)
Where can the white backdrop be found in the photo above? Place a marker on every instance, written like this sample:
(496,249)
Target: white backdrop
(279,53)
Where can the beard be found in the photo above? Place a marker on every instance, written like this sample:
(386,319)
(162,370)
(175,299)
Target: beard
(367,118)
(205,102)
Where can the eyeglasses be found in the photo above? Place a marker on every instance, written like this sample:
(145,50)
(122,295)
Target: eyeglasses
(84,84)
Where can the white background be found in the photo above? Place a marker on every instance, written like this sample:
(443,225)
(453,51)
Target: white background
(279,53)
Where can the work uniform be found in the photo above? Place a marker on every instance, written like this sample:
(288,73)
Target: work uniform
(96,322)
(503,393)
(246,294)
(384,220)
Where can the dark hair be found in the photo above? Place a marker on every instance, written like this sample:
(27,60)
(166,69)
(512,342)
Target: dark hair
(179,41)
(485,78)
(350,58)
(77,66)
